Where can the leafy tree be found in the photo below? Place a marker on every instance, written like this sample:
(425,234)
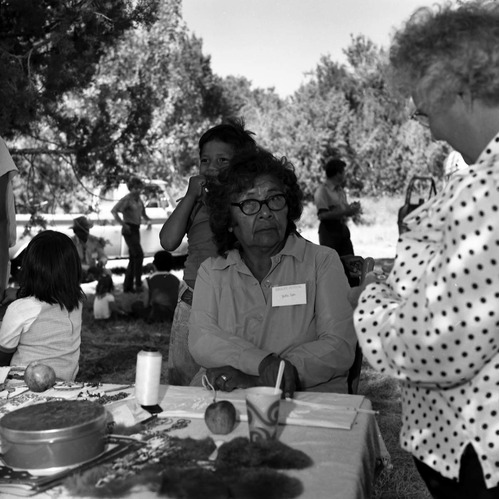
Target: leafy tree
(50,47)
(356,117)
(96,90)
(141,110)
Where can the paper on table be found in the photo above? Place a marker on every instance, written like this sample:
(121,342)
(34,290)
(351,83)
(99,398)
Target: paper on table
(334,410)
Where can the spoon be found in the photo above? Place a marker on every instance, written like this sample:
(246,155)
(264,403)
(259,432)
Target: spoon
(279,377)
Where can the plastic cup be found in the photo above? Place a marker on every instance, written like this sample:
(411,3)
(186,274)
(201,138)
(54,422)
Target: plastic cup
(262,406)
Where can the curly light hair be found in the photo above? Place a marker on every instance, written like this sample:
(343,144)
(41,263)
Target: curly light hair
(240,176)
(448,49)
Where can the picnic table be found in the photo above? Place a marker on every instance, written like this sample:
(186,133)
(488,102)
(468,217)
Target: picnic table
(339,434)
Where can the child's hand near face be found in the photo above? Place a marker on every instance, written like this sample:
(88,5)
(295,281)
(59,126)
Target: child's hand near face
(196,186)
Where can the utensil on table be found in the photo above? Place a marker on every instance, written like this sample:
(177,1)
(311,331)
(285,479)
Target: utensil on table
(279,376)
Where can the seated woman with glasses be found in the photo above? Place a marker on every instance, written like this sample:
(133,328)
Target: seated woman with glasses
(270,294)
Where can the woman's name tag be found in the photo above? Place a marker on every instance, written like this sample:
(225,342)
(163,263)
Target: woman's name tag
(294,294)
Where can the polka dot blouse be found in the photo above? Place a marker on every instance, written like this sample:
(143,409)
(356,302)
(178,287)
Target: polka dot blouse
(434,324)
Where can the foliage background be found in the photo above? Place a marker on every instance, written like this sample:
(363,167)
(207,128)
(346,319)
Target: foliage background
(92,91)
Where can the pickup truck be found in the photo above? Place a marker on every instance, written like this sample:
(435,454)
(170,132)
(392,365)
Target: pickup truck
(159,206)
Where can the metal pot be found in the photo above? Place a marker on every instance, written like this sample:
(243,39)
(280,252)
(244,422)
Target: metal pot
(53,434)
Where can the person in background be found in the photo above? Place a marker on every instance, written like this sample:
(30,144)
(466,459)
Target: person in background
(90,249)
(7,215)
(161,291)
(434,323)
(270,295)
(217,146)
(133,211)
(333,209)
(105,306)
(44,323)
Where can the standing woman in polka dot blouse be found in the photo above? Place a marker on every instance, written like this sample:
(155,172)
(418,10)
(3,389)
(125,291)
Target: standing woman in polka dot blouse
(434,323)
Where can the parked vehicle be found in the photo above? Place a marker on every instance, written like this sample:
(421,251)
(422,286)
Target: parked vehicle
(159,205)
(419,190)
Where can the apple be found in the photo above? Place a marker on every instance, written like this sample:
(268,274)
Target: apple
(220,417)
(39,377)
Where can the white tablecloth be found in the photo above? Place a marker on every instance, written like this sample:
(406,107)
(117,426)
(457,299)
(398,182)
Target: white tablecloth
(345,460)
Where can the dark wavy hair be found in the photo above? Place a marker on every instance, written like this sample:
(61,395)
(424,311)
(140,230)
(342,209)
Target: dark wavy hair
(105,285)
(334,166)
(134,182)
(231,131)
(51,271)
(240,176)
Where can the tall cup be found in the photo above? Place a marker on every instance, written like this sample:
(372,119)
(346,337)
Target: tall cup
(262,406)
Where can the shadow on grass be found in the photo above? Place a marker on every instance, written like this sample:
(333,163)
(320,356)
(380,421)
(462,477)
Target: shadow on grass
(109,349)
(113,364)
(401,481)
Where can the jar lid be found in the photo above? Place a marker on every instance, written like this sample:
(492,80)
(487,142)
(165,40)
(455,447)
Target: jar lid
(150,353)
(53,421)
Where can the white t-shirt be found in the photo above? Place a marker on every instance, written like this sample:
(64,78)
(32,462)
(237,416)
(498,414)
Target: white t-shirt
(102,309)
(36,330)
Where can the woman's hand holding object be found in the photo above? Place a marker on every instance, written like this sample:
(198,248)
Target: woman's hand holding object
(227,378)
(269,369)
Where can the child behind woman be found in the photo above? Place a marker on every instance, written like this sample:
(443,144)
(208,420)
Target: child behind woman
(217,146)
(44,323)
(104,302)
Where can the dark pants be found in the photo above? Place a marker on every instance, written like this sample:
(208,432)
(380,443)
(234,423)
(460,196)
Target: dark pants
(337,236)
(471,484)
(135,260)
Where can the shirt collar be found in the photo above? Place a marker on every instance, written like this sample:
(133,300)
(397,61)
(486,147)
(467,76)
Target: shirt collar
(295,247)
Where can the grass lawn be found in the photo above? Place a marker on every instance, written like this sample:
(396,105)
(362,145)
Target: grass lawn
(109,349)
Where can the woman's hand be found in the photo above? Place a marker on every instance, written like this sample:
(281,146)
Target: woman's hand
(227,378)
(268,370)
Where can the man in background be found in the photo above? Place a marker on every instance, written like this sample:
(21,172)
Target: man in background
(333,209)
(132,211)
(90,249)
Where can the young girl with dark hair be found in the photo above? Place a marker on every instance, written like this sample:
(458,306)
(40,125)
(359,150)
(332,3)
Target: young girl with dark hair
(44,323)
(105,306)
(217,146)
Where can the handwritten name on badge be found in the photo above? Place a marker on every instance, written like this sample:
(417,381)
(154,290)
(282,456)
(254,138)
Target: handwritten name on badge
(294,294)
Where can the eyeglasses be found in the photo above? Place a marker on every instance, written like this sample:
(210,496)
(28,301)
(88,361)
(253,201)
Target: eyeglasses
(422,118)
(253,206)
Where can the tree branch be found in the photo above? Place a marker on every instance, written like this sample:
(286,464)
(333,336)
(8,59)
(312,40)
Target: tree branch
(40,151)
